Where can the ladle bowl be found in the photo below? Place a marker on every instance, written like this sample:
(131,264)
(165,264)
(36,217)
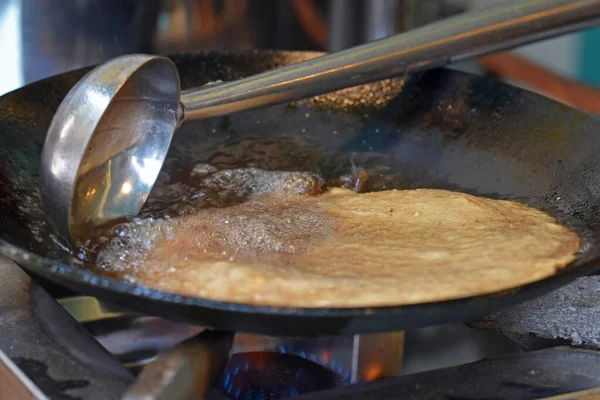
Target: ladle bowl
(108,140)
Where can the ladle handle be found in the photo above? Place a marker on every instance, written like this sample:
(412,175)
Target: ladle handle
(468,35)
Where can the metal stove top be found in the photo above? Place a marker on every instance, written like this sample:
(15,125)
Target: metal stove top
(79,348)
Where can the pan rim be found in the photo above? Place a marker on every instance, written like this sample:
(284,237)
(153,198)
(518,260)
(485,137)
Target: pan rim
(54,270)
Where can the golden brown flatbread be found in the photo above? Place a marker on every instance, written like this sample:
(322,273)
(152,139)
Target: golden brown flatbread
(344,249)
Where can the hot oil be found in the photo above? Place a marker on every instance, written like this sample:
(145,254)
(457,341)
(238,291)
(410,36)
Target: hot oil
(249,215)
(252,212)
(231,174)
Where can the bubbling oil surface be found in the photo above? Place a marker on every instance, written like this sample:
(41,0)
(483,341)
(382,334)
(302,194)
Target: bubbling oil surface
(206,186)
(241,225)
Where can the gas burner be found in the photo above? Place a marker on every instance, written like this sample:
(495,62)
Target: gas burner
(271,375)
(324,360)
(46,353)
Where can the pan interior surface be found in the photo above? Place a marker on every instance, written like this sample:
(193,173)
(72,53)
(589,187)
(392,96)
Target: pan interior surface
(441,130)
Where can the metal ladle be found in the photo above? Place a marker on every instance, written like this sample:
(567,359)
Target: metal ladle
(110,135)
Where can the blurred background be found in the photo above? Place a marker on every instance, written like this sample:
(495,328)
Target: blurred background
(40,38)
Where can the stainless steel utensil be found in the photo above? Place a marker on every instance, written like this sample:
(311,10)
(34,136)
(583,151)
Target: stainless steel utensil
(110,135)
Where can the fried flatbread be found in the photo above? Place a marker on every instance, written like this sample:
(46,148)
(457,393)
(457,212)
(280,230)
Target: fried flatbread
(344,249)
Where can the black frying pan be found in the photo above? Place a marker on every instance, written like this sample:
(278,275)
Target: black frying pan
(442,129)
